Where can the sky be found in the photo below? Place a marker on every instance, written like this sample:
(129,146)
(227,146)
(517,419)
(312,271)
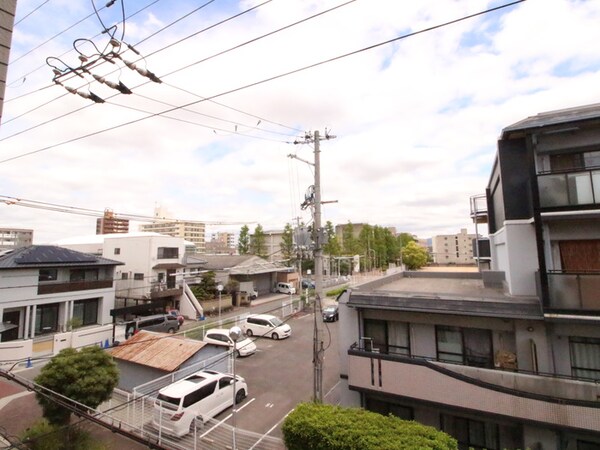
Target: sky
(413,108)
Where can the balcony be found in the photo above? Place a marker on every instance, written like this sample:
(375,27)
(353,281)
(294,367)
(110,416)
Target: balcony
(528,397)
(574,291)
(160,290)
(569,189)
(72,286)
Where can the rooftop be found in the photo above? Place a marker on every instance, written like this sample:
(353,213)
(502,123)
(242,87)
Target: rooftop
(50,255)
(444,293)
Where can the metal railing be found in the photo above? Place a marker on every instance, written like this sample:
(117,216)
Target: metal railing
(569,188)
(574,291)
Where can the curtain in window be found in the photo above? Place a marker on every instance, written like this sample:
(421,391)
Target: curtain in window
(585,357)
(398,338)
(478,347)
(449,344)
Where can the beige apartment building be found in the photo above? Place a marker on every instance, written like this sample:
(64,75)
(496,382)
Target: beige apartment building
(190,231)
(453,248)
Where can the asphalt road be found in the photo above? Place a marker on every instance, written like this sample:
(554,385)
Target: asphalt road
(281,374)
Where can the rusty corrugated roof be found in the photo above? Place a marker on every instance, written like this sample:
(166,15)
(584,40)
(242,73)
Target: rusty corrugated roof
(157,350)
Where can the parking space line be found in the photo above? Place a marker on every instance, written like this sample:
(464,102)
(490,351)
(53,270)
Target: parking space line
(226,418)
(270,430)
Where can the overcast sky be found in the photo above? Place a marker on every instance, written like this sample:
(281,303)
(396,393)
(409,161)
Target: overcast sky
(415,120)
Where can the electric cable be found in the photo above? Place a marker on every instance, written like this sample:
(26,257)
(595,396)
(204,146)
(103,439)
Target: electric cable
(29,13)
(264,80)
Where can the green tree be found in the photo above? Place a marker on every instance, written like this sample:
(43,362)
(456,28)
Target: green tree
(414,256)
(244,241)
(313,426)
(350,244)
(258,242)
(332,247)
(287,244)
(405,238)
(43,436)
(87,376)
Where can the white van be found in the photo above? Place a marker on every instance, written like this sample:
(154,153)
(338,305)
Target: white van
(203,394)
(285,288)
(266,325)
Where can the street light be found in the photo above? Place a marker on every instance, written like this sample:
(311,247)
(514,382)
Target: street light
(220,289)
(234,333)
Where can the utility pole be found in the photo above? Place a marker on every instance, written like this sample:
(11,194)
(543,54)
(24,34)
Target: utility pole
(316,202)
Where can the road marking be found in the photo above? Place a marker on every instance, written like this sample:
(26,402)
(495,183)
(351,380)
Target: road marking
(226,418)
(269,405)
(270,430)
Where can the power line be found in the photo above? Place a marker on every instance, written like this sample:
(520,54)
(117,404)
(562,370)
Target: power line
(30,13)
(266,80)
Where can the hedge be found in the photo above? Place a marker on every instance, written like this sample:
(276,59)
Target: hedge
(313,426)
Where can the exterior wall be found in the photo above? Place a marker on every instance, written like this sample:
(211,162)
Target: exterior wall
(347,336)
(7,19)
(514,252)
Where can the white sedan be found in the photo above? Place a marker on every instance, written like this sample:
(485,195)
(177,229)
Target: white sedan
(220,336)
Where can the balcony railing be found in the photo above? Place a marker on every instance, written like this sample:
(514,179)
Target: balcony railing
(529,397)
(54,287)
(574,291)
(160,289)
(569,189)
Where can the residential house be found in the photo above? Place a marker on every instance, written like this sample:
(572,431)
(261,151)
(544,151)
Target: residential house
(53,298)
(151,273)
(507,357)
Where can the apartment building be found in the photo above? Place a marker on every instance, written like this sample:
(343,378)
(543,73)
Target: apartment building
(7,20)
(109,224)
(453,248)
(507,358)
(11,238)
(190,231)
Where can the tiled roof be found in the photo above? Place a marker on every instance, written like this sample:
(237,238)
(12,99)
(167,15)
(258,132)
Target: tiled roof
(46,255)
(563,116)
(157,350)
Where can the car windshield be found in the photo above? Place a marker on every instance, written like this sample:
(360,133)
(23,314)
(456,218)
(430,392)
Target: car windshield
(172,400)
(276,322)
(329,309)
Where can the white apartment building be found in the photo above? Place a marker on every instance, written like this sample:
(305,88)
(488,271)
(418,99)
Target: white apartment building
(11,238)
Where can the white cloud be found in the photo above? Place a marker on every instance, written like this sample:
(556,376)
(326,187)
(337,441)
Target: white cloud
(416,120)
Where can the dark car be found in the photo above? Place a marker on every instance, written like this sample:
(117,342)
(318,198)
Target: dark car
(308,284)
(330,313)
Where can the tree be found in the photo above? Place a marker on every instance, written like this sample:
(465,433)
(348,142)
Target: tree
(332,247)
(350,244)
(87,376)
(287,244)
(244,241)
(257,242)
(313,426)
(414,256)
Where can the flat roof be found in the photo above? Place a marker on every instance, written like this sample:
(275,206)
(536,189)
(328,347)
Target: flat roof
(443,292)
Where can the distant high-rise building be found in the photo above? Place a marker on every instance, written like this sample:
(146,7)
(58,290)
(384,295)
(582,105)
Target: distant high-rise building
(11,238)
(190,231)
(110,224)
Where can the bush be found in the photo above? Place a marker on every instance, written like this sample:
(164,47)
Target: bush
(43,436)
(336,292)
(313,426)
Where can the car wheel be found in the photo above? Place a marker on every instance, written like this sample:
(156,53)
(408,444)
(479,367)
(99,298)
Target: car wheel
(249,333)
(240,396)
(274,336)
(237,353)
(171,330)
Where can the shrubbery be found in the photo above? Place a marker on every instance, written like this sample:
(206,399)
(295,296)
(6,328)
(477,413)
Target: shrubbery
(313,426)
(43,436)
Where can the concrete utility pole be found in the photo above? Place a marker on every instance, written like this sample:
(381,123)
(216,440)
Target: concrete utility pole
(318,253)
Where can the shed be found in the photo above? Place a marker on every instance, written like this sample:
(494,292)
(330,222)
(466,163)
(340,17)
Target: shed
(147,356)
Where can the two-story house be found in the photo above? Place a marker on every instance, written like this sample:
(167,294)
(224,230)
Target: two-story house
(52,298)
(510,357)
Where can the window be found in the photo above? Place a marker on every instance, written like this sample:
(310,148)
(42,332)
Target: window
(124,276)
(168,252)
(46,318)
(86,311)
(574,161)
(224,382)
(48,275)
(84,275)
(585,357)
(117,251)
(138,276)
(471,434)
(385,408)
(468,346)
(199,394)
(388,336)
